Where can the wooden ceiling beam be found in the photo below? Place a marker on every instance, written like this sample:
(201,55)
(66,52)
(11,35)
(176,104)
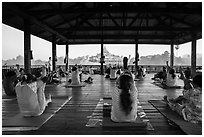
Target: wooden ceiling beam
(119,10)
(18,12)
(78,24)
(115,22)
(120,36)
(135,18)
(119,28)
(179,20)
(62,16)
(115,42)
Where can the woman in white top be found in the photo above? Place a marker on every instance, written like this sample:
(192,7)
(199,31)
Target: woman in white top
(113,75)
(31,97)
(75,76)
(124,100)
(171,79)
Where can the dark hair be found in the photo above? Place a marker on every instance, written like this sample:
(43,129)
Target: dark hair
(198,80)
(172,71)
(21,70)
(28,78)
(37,72)
(125,100)
(74,68)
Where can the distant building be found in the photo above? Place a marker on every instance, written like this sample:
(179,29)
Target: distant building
(109,58)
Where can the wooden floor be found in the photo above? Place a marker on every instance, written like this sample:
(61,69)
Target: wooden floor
(73,117)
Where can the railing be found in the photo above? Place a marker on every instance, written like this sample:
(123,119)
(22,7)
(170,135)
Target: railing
(96,68)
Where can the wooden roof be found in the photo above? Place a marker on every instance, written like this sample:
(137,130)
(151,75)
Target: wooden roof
(110,22)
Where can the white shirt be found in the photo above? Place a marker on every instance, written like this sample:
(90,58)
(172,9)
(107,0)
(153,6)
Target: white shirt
(117,114)
(113,73)
(170,81)
(31,98)
(75,78)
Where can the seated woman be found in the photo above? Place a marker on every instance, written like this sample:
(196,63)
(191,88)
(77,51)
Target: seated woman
(30,95)
(190,104)
(113,75)
(9,83)
(143,71)
(108,71)
(161,75)
(171,78)
(139,73)
(91,72)
(75,76)
(124,103)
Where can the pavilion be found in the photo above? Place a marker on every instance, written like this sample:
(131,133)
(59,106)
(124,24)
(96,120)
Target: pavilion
(72,23)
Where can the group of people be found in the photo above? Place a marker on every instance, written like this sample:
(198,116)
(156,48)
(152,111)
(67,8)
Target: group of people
(29,90)
(141,72)
(113,72)
(167,76)
(189,105)
(76,75)
(124,96)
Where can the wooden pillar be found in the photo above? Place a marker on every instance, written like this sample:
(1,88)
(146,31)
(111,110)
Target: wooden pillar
(67,57)
(193,55)
(27,46)
(172,55)
(136,57)
(53,52)
(102,58)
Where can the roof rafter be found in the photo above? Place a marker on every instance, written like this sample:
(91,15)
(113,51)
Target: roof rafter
(115,22)
(133,28)
(120,36)
(23,14)
(129,10)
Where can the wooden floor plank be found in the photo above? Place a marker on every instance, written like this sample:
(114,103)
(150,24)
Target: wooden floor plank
(73,116)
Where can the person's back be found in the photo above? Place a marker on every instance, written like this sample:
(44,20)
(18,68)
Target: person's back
(190,104)
(171,79)
(124,105)
(75,76)
(193,104)
(31,98)
(28,99)
(144,71)
(113,73)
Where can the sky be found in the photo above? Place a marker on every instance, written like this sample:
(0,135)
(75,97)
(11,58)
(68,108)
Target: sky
(12,46)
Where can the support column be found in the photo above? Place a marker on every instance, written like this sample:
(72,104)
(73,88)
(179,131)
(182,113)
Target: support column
(67,57)
(172,55)
(53,52)
(102,58)
(27,46)
(193,55)
(136,57)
